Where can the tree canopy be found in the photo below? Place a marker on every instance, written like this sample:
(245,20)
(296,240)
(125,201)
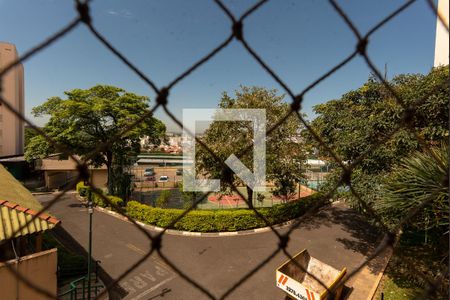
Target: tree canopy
(285,155)
(362,120)
(87,118)
(364,117)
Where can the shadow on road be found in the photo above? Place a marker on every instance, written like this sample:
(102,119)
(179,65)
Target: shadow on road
(77,205)
(364,237)
(116,292)
(162,294)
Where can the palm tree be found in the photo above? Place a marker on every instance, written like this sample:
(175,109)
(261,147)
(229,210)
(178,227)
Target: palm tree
(419,182)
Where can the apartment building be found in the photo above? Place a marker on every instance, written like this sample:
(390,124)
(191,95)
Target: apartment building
(11,128)
(441,46)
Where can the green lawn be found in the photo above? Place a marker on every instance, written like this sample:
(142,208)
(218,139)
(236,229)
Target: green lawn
(392,291)
(400,281)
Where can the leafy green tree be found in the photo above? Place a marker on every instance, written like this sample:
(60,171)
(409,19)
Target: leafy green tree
(285,154)
(29,133)
(88,118)
(362,119)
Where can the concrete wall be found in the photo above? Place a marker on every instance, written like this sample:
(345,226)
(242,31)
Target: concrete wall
(11,128)
(441,46)
(58,172)
(55,164)
(56,179)
(99,177)
(40,268)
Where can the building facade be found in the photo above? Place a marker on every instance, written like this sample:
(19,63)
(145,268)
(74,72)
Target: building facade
(62,172)
(441,46)
(11,127)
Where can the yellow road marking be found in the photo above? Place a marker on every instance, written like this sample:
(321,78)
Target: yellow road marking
(135,249)
(156,260)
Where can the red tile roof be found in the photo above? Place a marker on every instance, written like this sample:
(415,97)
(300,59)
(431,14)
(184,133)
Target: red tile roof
(42,216)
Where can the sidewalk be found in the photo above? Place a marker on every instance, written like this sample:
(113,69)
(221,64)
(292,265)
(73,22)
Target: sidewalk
(366,281)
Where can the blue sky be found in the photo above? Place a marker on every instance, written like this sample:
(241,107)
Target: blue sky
(300,40)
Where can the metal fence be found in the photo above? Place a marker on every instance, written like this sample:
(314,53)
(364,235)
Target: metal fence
(237,25)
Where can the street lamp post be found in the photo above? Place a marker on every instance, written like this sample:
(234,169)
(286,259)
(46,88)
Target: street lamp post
(90,212)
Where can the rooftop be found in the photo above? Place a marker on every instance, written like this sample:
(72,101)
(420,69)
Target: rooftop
(17,206)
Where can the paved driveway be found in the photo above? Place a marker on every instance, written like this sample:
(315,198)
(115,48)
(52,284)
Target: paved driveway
(336,236)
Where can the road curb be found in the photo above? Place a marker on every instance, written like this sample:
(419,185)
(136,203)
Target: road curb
(41,193)
(192,233)
(378,280)
(53,192)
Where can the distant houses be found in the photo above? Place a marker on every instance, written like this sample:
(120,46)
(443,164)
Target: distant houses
(172,145)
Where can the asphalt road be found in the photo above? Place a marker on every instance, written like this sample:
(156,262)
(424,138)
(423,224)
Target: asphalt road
(336,235)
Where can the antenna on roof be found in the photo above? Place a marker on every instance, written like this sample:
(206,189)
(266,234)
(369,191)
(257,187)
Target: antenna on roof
(385,71)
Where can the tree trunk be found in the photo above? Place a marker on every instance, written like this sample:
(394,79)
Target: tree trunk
(109,182)
(250,197)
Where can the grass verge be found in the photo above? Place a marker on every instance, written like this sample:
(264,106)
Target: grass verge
(401,282)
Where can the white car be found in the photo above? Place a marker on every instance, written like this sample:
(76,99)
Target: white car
(163,178)
(149,172)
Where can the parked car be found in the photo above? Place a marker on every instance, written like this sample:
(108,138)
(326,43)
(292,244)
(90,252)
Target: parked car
(180,172)
(149,172)
(150,178)
(163,178)
(136,179)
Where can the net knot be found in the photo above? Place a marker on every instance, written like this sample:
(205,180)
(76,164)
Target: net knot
(83,11)
(237,30)
(162,96)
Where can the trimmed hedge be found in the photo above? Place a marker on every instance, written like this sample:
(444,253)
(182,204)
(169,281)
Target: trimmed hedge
(114,200)
(98,200)
(220,220)
(82,189)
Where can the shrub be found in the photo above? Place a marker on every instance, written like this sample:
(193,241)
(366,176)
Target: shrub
(163,198)
(96,198)
(221,220)
(79,186)
(82,189)
(115,200)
